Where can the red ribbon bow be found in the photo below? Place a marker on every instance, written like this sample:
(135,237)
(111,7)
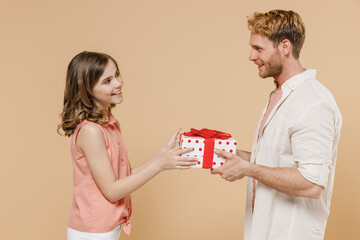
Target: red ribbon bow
(207,133)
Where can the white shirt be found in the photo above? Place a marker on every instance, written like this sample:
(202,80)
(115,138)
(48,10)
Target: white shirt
(302,131)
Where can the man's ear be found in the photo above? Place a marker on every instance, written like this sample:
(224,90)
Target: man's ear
(286,47)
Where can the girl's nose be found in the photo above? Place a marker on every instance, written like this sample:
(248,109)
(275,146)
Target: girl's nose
(119,81)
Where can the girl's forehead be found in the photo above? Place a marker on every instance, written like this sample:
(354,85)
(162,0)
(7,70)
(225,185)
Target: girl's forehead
(110,69)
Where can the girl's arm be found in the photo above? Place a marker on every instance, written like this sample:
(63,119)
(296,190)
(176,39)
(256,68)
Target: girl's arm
(148,162)
(91,141)
(173,142)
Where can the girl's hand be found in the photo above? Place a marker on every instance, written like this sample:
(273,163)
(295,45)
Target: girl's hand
(172,159)
(174,141)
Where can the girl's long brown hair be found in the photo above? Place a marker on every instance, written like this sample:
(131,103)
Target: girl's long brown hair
(83,72)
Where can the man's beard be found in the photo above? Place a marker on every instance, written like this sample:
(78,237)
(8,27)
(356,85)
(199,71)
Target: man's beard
(272,67)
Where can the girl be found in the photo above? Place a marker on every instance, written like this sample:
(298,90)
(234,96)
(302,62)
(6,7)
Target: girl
(103,179)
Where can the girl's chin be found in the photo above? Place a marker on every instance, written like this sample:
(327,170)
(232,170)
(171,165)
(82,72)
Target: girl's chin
(117,98)
(118,101)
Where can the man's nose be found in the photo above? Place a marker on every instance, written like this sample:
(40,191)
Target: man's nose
(253,55)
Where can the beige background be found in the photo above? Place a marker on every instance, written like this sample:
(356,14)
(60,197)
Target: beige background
(185,64)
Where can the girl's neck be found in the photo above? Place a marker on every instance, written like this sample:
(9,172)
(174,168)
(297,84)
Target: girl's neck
(105,114)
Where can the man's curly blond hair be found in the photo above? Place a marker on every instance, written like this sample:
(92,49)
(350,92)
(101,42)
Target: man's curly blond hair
(278,25)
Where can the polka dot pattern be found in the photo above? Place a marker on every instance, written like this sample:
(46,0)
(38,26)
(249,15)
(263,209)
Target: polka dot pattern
(198,143)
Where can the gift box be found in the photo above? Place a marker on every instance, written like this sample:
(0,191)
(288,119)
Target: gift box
(204,142)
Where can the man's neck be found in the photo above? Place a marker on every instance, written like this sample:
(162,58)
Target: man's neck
(289,70)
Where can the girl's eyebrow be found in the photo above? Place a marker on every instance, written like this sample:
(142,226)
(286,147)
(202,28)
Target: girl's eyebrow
(108,78)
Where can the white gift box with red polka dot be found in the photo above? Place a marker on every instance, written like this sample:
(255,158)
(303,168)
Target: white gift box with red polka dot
(201,145)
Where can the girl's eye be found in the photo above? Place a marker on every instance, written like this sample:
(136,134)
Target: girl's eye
(117,74)
(107,81)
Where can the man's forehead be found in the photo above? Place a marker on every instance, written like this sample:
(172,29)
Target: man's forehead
(257,39)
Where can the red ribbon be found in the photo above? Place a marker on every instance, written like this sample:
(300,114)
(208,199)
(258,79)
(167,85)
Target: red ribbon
(207,133)
(209,142)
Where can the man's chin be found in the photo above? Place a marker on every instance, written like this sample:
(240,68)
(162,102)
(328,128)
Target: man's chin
(263,75)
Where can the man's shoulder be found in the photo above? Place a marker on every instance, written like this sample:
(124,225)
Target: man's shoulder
(309,96)
(312,92)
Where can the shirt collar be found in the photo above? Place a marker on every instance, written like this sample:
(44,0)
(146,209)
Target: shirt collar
(296,80)
(112,119)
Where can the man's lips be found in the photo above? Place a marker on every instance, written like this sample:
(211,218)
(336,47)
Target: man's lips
(260,66)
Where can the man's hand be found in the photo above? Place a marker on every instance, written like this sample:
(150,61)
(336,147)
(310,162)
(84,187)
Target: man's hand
(234,167)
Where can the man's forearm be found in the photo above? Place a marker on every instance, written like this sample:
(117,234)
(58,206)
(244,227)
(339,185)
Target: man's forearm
(286,180)
(243,154)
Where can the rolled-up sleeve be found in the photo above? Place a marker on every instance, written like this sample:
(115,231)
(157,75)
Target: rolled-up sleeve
(312,142)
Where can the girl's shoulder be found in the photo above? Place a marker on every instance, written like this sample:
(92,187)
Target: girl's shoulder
(90,131)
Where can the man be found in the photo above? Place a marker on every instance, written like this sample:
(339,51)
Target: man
(291,167)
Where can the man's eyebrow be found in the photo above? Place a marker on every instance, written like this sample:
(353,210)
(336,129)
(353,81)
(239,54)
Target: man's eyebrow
(255,46)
